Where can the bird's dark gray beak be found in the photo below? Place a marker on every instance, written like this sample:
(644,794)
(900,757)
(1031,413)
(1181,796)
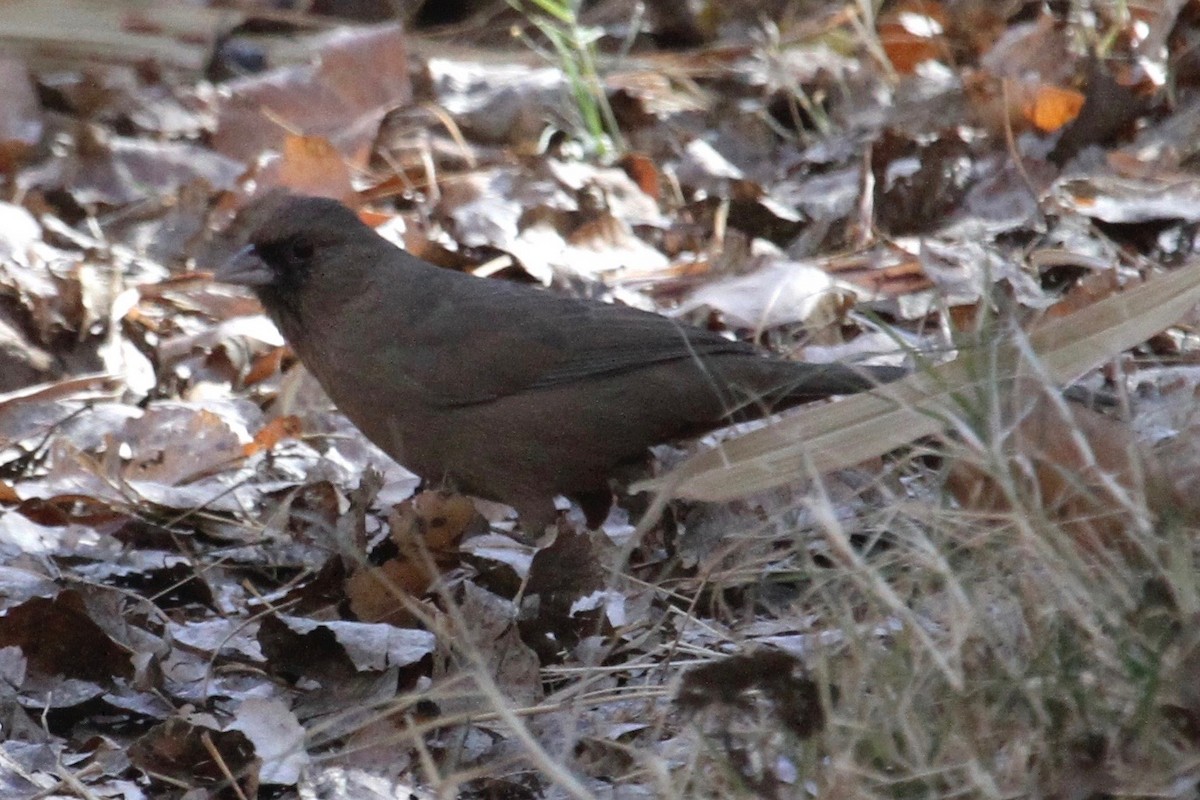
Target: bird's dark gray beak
(244,268)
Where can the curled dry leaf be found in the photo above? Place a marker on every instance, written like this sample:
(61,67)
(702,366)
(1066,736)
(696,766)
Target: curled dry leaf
(277,736)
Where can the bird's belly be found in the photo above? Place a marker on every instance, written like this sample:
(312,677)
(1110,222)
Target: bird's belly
(390,419)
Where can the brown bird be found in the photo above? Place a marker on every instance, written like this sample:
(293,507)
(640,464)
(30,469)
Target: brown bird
(504,391)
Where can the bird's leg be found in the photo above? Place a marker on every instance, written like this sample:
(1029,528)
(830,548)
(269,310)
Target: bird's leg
(596,503)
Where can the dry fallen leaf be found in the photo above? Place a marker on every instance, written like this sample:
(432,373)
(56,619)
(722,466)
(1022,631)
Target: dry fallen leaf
(359,76)
(53,633)
(310,165)
(21,123)
(1077,466)
(911,33)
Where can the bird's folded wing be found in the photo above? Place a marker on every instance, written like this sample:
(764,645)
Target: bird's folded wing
(482,340)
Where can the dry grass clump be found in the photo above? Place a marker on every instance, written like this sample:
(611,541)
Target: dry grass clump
(1023,625)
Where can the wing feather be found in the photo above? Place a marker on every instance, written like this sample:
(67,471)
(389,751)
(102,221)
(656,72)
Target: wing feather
(557,340)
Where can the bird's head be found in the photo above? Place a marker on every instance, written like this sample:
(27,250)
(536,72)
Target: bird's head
(287,238)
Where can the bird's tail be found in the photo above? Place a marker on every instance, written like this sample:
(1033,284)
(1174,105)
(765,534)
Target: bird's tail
(781,385)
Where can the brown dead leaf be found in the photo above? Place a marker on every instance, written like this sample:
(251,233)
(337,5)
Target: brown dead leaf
(176,445)
(1091,288)
(912,33)
(67,509)
(20,115)
(265,366)
(426,529)
(376,218)
(1049,107)
(188,752)
(995,102)
(357,76)
(514,665)
(59,637)
(373,591)
(310,165)
(642,170)
(1080,465)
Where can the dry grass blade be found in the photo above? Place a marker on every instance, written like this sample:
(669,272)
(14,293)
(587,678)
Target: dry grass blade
(848,432)
(1069,346)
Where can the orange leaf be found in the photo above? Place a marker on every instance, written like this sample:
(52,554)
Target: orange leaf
(642,170)
(311,165)
(372,591)
(272,433)
(434,521)
(265,366)
(1050,107)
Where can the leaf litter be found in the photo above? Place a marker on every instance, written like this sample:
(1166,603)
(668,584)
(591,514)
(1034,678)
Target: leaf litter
(211,583)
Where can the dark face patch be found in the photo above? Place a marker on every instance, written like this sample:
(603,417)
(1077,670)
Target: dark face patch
(290,258)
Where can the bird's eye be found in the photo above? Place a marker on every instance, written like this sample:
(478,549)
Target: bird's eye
(300,250)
